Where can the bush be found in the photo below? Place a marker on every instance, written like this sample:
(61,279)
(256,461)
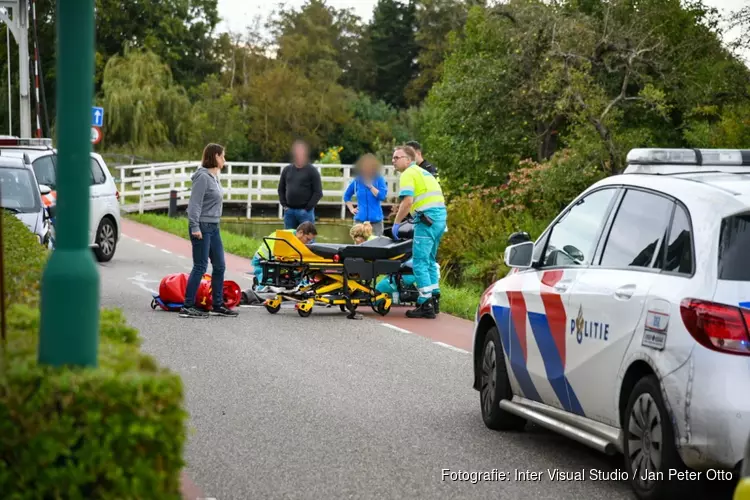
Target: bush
(481,222)
(23,262)
(116,431)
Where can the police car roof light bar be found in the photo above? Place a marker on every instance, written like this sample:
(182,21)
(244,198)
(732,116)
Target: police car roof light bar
(8,140)
(649,160)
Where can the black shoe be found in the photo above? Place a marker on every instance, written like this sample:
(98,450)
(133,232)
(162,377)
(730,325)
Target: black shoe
(425,310)
(223,311)
(192,312)
(436,303)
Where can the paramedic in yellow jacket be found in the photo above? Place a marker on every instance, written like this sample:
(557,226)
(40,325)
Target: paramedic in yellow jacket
(305,232)
(421,196)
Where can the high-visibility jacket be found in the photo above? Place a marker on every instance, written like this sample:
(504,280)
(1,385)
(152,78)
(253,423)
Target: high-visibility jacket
(262,251)
(422,185)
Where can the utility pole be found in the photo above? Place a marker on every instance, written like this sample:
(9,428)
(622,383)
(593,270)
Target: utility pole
(69,329)
(19,27)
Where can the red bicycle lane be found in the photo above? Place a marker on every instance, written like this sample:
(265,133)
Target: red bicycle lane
(446,330)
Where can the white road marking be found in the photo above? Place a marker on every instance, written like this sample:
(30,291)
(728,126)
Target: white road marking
(136,240)
(165,251)
(451,347)
(150,245)
(394,327)
(140,281)
(182,257)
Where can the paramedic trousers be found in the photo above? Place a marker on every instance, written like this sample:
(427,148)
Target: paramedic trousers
(257,269)
(210,247)
(424,253)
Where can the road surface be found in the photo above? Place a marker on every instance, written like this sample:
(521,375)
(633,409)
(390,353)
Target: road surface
(325,408)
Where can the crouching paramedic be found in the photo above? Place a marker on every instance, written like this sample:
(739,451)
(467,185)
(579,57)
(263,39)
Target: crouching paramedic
(305,232)
(422,197)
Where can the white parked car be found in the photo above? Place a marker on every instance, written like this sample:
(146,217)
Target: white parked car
(104,211)
(625,325)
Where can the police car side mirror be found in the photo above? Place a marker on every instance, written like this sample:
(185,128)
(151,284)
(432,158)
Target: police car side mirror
(518,237)
(44,189)
(520,255)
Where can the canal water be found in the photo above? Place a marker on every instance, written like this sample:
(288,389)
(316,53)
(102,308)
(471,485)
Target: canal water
(328,232)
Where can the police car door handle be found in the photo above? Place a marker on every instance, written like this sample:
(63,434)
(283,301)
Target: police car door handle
(562,286)
(625,292)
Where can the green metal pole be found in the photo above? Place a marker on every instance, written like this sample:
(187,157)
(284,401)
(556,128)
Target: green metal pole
(69,332)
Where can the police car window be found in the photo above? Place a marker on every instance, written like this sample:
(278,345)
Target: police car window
(733,245)
(574,237)
(18,191)
(639,227)
(97,176)
(44,170)
(678,256)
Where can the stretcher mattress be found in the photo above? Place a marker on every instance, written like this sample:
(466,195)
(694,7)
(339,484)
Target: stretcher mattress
(378,248)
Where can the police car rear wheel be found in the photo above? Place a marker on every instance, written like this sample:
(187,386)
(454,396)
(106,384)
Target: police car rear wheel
(649,447)
(495,386)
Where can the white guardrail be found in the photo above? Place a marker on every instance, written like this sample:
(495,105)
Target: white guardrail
(242,182)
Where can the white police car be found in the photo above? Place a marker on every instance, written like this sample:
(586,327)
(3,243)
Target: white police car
(625,325)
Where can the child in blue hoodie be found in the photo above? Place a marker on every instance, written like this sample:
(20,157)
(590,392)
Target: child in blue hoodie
(371,190)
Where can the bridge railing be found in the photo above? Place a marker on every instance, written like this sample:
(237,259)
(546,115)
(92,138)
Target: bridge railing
(151,184)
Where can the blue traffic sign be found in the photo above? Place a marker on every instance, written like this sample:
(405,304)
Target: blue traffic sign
(97,117)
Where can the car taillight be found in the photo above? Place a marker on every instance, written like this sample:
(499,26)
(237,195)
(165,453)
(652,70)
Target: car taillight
(715,326)
(117,195)
(336,258)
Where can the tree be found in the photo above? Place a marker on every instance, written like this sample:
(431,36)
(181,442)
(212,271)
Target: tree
(145,108)
(435,19)
(393,49)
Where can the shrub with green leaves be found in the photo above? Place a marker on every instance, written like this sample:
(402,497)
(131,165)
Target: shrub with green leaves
(23,261)
(116,431)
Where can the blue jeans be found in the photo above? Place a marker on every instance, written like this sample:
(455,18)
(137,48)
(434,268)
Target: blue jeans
(210,247)
(293,217)
(425,247)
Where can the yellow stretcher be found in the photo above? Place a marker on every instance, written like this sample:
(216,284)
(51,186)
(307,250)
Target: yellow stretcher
(330,274)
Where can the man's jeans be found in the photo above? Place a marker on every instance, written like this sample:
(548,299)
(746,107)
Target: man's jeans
(210,247)
(293,217)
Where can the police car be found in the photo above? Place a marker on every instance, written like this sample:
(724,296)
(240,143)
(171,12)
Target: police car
(625,325)
(104,206)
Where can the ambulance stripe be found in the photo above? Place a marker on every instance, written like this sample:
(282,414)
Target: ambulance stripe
(518,315)
(553,363)
(511,344)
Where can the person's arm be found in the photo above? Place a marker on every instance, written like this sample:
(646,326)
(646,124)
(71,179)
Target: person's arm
(406,193)
(195,204)
(317,189)
(380,189)
(282,187)
(348,196)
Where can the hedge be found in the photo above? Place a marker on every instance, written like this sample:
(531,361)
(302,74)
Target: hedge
(113,432)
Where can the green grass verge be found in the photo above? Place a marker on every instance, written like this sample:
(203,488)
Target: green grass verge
(236,244)
(458,301)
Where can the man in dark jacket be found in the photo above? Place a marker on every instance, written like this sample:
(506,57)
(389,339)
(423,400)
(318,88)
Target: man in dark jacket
(420,159)
(300,188)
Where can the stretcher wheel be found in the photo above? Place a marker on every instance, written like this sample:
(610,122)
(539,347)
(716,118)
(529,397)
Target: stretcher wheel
(380,308)
(344,309)
(304,314)
(272,309)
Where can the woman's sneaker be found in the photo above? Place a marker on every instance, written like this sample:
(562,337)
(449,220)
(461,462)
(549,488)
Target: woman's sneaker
(192,312)
(224,311)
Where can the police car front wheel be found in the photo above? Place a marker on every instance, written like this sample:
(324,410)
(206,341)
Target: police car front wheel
(495,386)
